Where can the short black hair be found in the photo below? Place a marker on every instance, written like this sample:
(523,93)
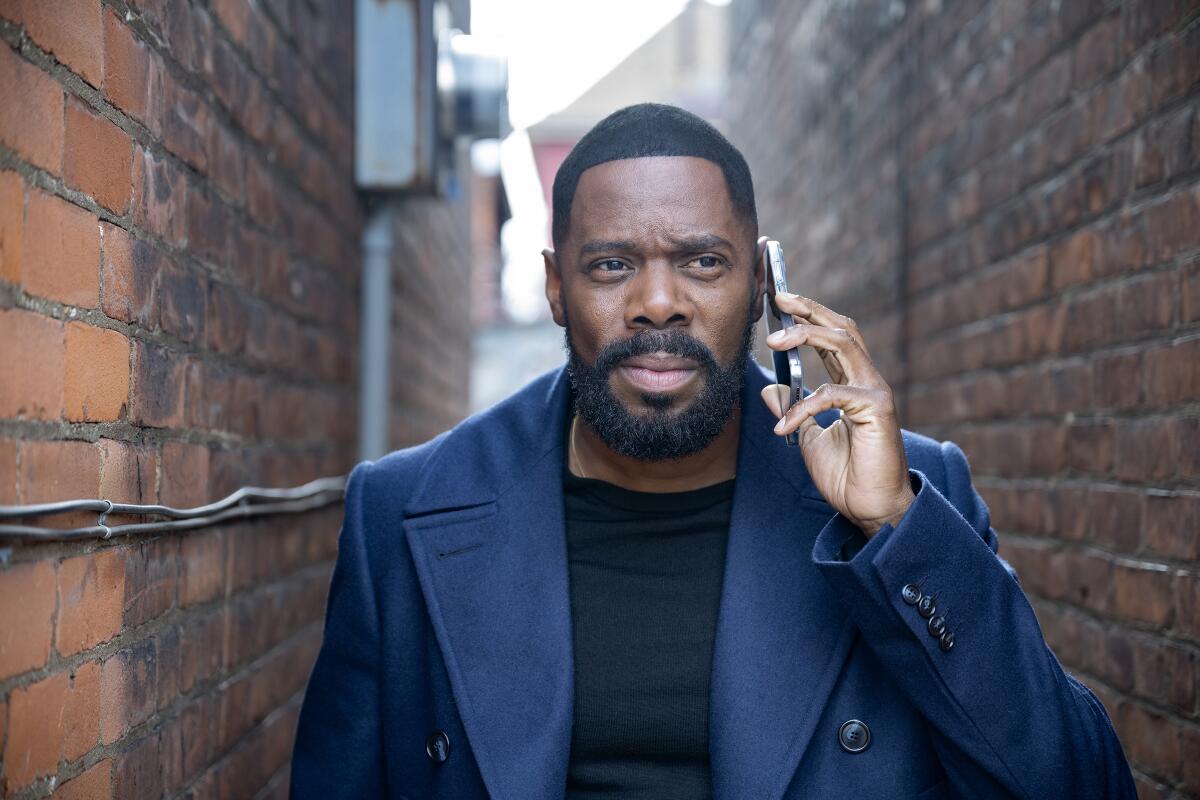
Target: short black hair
(645,130)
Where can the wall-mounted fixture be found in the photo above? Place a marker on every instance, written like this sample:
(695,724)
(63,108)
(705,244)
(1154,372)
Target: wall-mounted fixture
(422,87)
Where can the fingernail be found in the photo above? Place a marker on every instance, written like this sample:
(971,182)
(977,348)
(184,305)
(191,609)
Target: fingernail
(775,337)
(779,425)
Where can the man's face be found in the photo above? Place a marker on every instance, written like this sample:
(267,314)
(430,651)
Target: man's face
(658,288)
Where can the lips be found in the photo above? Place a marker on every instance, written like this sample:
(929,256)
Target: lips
(658,372)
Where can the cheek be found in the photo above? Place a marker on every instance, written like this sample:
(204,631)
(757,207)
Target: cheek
(727,322)
(593,325)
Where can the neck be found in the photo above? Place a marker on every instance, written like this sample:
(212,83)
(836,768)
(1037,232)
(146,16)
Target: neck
(713,464)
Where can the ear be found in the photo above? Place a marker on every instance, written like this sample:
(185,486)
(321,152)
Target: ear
(554,294)
(760,276)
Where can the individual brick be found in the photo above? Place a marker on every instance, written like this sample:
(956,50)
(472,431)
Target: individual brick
(132,72)
(128,689)
(203,642)
(202,571)
(1142,591)
(1150,739)
(184,474)
(81,715)
(1172,373)
(31,112)
(25,637)
(186,125)
(98,158)
(48,720)
(129,277)
(137,772)
(151,579)
(97,373)
(210,227)
(59,470)
(71,31)
(158,383)
(61,251)
(182,299)
(91,598)
(234,15)
(226,323)
(12,220)
(159,197)
(128,472)
(1171,525)
(32,347)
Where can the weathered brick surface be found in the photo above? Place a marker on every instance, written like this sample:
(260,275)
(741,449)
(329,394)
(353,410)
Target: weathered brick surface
(1005,196)
(12,219)
(31,112)
(61,251)
(97,157)
(179,291)
(25,638)
(91,591)
(32,347)
(97,373)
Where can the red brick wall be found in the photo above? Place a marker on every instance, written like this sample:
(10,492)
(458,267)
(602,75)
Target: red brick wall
(1006,196)
(179,272)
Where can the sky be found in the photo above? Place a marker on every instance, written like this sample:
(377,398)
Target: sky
(556,50)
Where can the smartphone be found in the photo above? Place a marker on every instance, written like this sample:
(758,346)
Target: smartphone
(788,370)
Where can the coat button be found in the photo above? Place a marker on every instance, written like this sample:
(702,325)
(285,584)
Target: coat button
(937,626)
(854,736)
(911,594)
(437,746)
(946,641)
(926,606)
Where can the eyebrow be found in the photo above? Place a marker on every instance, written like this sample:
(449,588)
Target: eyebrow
(691,244)
(609,245)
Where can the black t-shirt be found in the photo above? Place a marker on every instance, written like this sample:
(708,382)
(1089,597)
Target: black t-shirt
(645,572)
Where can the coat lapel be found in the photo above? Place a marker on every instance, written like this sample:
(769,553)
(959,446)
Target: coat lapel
(781,638)
(487,534)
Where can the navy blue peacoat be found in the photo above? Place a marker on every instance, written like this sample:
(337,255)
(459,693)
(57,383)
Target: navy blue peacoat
(446,669)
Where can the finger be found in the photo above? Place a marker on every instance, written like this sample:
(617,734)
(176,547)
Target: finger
(858,405)
(844,357)
(775,396)
(812,311)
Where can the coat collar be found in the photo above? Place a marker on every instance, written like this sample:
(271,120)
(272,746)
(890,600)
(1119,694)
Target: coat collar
(486,529)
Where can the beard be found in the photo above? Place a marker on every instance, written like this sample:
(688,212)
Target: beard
(662,432)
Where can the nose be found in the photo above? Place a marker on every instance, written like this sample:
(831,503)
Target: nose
(657,299)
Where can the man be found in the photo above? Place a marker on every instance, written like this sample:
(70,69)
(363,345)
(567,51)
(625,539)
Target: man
(620,583)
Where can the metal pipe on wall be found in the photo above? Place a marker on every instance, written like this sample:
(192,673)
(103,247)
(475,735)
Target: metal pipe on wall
(374,372)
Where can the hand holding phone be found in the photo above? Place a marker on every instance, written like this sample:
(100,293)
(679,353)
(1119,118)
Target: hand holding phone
(788,370)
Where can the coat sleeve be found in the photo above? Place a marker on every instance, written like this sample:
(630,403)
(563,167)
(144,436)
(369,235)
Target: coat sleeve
(1006,719)
(338,750)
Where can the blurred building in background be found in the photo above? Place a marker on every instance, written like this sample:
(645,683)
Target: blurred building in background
(1006,197)
(685,64)
(181,280)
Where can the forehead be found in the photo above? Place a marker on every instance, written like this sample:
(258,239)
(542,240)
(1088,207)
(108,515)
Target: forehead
(638,198)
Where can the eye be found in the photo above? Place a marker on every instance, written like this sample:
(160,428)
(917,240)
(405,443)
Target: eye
(609,265)
(707,262)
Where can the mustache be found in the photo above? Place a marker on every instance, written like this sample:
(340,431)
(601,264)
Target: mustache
(674,341)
